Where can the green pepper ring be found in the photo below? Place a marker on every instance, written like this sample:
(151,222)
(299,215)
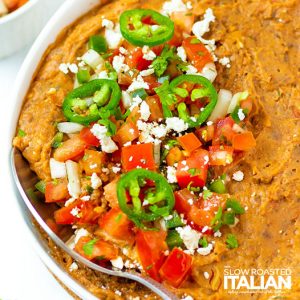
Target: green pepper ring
(138,40)
(88,90)
(161,184)
(212,94)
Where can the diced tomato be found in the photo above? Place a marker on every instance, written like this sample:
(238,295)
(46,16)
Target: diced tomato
(206,133)
(176,40)
(87,136)
(99,250)
(92,161)
(220,155)
(135,59)
(193,170)
(150,247)
(152,82)
(128,132)
(224,132)
(114,53)
(243,141)
(70,149)
(140,155)
(87,213)
(110,193)
(198,212)
(155,107)
(56,192)
(196,52)
(176,268)
(189,142)
(134,115)
(182,201)
(116,224)
(174,156)
(183,20)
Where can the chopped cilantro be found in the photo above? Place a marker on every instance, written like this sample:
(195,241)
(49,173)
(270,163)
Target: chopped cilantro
(161,62)
(57,140)
(235,206)
(217,220)
(194,171)
(203,242)
(231,241)
(21,133)
(89,246)
(89,189)
(228,218)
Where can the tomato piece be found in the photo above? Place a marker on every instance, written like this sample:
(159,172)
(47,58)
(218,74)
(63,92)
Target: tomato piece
(110,193)
(176,40)
(156,111)
(116,224)
(206,133)
(183,21)
(244,141)
(70,149)
(174,156)
(140,155)
(128,132)
(193,170)
(87,136)
(182,201)
(150,247)
(134,115)
(135,59)
(86,213)
(56,192)
(189,142)
(220,155)
(176,268)
(152,82)
(99,250)
(196,52)
(224,132)
(92,161)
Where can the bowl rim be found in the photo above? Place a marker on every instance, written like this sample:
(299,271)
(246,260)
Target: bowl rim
(18,12)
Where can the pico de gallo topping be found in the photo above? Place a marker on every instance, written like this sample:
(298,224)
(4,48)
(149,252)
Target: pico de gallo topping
(140,165)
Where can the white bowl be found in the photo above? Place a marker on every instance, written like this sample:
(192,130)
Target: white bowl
(20,27)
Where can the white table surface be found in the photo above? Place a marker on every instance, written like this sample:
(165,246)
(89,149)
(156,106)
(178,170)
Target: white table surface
(22,274)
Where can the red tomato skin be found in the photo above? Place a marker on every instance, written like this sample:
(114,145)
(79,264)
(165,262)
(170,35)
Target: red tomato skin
(220,155)
(182,206)
(56,192)
(198,161)
(176,267)
(223,132)
(87,136)
(150,247)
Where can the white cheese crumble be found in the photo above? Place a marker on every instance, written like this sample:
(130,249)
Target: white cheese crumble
(238,176)
(145,111)
(79,233)
(188,298)
(190,237)
(57,169)
(206,275)
(181,53)
(117,263)
(112,34)
(75,211)
(73,267)
(107,24)
(206,250)
(118,64)
(172,6)
(147,72)
(86,198)
(201,27)
(218,234)
(176,124)
(241,114)
(191,70)
(126,99)
(116,169)
(107,144)
(102,75)
(96,182)
(138,83)
(148,54)
(123,50)
(64,68)
(171,174)
(136,101)
(225,61)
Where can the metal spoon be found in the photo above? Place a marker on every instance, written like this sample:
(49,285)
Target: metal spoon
(25,180)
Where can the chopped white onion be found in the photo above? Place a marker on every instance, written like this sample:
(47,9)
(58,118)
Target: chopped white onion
(69,127)
(236,99)
(93,59)
(220,110)
(73,178)
(126,99)
(157,154)
(209,71)
(57,169)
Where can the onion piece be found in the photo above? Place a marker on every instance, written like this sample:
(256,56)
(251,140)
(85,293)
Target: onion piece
(69,127)
(73,178)
(236,99)
(126,99)
(220,110)
(57,169)
(93,59)
(209,71)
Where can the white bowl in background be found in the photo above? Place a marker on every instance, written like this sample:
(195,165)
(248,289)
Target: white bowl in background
(19,28)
